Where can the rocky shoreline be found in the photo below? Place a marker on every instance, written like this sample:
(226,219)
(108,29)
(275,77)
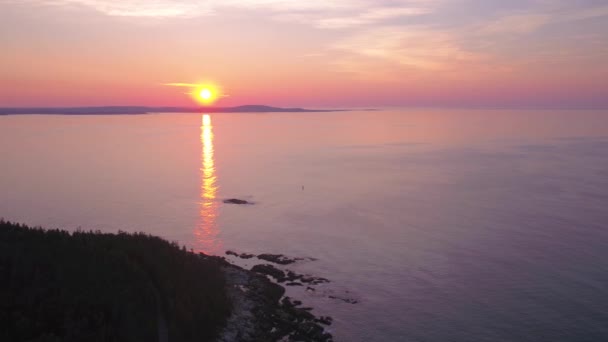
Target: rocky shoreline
(261,312)
(165,292)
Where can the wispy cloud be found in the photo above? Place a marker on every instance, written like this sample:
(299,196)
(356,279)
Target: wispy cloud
(538,17)
(413,48)
(190,8)
(585,13)
(140,8)
(372,16)
(514,24)
(320,13)
(475,47)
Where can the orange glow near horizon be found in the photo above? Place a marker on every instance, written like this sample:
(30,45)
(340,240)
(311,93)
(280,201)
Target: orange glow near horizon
(207,231)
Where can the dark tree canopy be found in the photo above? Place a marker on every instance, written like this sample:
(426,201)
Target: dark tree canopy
(89,286)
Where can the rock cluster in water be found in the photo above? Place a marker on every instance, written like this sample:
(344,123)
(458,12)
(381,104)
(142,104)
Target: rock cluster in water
(293,278)
(290,278)
(281,259)
(242,255)
(274,258)
(261,313)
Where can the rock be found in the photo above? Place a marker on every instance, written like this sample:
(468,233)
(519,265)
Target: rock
(345,300)
(272,291)
(281,259)
(293,278)
(271,271)
(241,255)
(236,201)
(325,320)
(277,259)
(313,280)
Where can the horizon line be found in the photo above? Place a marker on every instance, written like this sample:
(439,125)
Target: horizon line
(312,108)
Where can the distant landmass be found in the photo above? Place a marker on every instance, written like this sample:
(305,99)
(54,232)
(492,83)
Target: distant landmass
(112,110)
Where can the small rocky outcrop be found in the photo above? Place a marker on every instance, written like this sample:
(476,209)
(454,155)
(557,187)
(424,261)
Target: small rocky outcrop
(344,299)
(278,259)
(236,201)
(241,255)
(292,278)
(271,271)
(281,259)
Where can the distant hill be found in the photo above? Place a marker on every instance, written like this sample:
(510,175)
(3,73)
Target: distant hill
(114,110)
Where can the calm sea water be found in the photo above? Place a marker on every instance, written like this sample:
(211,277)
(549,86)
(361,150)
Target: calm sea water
(468,225)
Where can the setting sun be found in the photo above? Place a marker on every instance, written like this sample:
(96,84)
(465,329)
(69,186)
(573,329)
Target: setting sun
(205,94)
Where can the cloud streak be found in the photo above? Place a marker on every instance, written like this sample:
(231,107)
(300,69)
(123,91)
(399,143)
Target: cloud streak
(322,13)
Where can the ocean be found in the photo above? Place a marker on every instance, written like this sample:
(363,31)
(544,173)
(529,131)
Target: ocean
(441,224)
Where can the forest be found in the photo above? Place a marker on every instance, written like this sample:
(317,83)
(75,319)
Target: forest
(91,286)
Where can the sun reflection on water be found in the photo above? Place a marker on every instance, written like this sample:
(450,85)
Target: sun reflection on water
(207,231)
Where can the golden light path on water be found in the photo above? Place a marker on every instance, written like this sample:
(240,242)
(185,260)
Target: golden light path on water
(207,231)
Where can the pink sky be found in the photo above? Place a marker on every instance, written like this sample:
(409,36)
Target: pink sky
(343,53)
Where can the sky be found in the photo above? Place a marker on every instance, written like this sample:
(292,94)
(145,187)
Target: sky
(308,53)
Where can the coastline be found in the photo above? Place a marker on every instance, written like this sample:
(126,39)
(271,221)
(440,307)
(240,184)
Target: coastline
(137,286)
(261,312)
(140,110)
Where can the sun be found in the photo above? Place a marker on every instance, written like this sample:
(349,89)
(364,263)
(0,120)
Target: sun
(206,94)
